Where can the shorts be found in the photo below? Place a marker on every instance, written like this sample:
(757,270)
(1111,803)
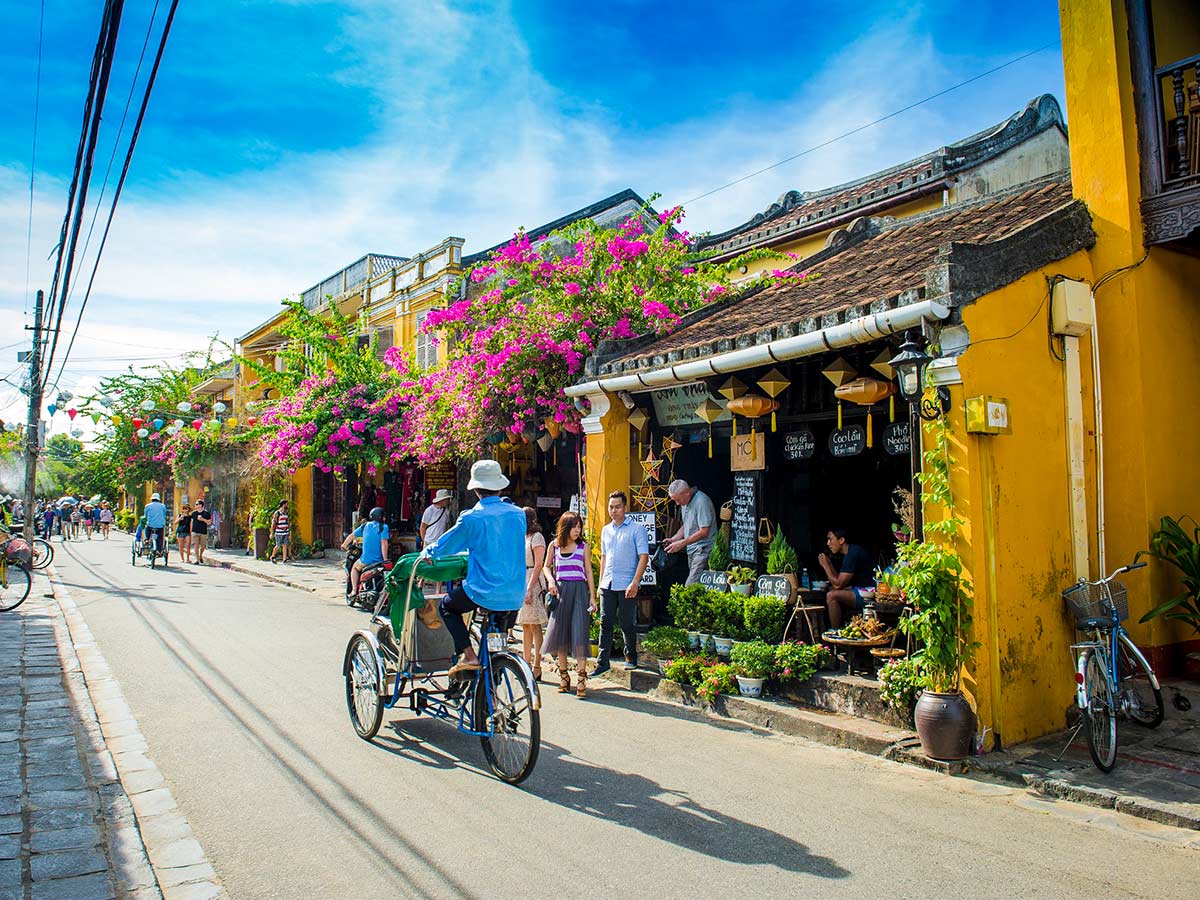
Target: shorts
(281,539)
(859,602)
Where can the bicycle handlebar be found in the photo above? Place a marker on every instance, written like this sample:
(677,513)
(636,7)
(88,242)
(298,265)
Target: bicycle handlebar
(1120,571)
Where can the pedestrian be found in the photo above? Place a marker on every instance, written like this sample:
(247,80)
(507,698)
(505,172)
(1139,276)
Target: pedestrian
(436,518)
(624,552)
(568,570)
(48,521)
(201,519)
(74,519)
(532,615)
(696,533)
(106,518)
(60,523)
(183,533)
(87,520)
(281,529)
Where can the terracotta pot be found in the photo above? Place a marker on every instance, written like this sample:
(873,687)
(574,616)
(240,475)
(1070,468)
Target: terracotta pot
(945,725)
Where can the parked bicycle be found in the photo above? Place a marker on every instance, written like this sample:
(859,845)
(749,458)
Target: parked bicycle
(15,577)
(43,553)
(1113,680)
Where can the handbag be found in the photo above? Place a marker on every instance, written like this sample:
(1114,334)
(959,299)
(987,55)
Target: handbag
(661,558)
(551,600)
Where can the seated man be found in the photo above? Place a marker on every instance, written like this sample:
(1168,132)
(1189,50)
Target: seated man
(374,534)
(493,534)
(156,522)
(854,573)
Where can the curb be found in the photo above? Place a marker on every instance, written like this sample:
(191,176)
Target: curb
(246,570)
(877,739)
(157,852)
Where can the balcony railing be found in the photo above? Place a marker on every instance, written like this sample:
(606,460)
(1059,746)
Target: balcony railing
(1179,82)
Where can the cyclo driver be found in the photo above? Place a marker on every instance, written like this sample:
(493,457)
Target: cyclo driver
(156,522)
(493,534)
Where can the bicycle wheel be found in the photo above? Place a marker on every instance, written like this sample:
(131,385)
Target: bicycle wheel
(43,553)
(133,554)
(1100,713)
(153,555)
(512,751)
(15,582)
(1140,699)
(363,688)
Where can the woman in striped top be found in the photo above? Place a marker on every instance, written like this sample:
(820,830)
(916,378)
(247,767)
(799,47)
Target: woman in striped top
(568,570)
(282,530)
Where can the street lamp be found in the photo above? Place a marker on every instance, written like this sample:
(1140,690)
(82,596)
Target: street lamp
(910,364)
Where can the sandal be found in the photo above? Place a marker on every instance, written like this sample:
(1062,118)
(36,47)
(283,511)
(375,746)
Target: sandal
(581,687)
(564,682)
(537,673)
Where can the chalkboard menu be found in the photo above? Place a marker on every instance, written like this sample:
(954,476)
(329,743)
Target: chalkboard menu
(849,441)
(743,537)
(717,581)
(799,445)
(897,439)
(773,586)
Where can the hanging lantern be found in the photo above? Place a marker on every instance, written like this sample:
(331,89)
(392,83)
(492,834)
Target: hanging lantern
(172,431)
(75,432)
(865,392)
(147,405)
(545,441)
(214,424)
(183,406)
(709,411)
(219,407)
(252,421)
(197,424)
(143,433)
(72,412)
(732,389)
(106,401)
(116,420)
(158,424)
(773,384)
(231,422)
(753,407)
(882,364)
(839,372)
(639,419)
(64,397)
(178,423)
(553,427)
(95,418)
(52,408)
(137,421)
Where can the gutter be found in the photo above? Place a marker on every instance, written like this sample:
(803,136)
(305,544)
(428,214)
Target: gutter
(855,331)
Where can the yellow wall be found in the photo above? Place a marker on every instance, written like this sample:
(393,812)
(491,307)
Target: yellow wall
(301,517)
(608,465)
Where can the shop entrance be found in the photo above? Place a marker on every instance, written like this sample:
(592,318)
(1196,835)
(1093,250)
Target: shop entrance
(327,508)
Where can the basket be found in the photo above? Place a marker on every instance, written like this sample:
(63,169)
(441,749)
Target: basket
(1096,601)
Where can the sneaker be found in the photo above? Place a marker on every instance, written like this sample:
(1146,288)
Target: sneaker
(600,669)
(629,666)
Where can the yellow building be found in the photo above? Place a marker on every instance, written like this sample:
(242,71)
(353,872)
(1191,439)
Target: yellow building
(1019,291)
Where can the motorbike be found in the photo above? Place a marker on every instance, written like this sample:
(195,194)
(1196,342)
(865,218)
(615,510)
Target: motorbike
(371,595)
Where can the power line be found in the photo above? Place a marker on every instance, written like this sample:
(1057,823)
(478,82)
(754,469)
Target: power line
(872,124)
(137,128)
(37,103)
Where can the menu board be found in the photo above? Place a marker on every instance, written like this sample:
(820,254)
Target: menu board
(743,530)
(677,406)
(799,444)
(897,439)
(717,581)
(849,441)
(773,586)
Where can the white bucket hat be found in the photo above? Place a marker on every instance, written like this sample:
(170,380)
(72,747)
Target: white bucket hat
(441,495)
(486,474)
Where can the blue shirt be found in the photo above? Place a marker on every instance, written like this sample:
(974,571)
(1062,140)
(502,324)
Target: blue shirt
(373,535)
(621,546)
(156,515)
(493,534)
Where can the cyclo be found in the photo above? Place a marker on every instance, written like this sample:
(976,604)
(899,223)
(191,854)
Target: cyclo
(399,658)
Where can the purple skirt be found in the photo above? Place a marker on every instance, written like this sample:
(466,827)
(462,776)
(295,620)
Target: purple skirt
(570,624)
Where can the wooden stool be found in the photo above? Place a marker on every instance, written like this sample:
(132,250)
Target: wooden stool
(804,616)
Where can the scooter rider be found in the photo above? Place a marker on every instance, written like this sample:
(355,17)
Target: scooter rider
(374,534)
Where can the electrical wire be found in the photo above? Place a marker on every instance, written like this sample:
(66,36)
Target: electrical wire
(137,128)
(872,124)
(37,104)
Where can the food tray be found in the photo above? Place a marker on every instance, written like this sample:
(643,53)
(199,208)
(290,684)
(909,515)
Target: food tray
(880,641)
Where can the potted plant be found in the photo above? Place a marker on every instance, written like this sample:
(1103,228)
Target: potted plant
(795,662)
(764,618)
(686,605)
(782,560)
(902,503)
(930,572)
(688,668)
(716,680)
(666,643)
(727,620)
(1172,544)
(741,579)
(718,556)
(753,661)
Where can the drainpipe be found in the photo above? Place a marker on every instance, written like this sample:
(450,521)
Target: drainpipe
(1099,401)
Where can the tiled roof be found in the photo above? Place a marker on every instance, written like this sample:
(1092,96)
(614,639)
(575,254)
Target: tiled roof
(796,213)
(871,262)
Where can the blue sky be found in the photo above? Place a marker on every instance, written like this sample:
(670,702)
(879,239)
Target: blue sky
(287,138)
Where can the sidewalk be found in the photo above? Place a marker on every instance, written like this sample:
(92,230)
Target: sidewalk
(324,576)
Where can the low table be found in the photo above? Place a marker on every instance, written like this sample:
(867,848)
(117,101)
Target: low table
(857,650)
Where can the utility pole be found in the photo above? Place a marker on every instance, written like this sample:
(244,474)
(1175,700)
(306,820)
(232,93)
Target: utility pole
(32,425)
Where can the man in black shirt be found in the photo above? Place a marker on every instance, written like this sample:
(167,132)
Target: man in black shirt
(854,573)
(201,518)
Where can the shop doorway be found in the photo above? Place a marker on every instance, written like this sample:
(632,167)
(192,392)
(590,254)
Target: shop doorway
(328,504)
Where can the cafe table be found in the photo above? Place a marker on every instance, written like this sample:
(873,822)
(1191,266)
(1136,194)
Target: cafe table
(808,615)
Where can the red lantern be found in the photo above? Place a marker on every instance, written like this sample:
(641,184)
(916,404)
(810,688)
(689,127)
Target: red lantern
(197,424)
(137,422)
(72,412)
(252,421)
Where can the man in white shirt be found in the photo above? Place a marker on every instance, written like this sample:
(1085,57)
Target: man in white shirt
(436,518)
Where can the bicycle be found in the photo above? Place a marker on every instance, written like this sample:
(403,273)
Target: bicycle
(148,548)
(1112,678)
(43,553)
(15,580)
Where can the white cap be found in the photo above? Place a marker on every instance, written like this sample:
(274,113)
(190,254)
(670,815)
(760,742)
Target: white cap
(155,496)
(486,474)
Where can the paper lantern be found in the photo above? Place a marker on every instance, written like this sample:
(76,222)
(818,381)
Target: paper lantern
(183,406)
(753,407)
(52,409)
(147,405)
(219,407)
(197,424)
(639,419)
(117,420)
(231,422)
(75,432)
(178,423)
(214,424)
(839,372)
(545,441)
(158,424)
(883,364)
(553,427)
(64,397)
(143,433)
(137,421)
(106,401)
(172,430)
(72,412)
(252,421)
(773,384)
(863,391)
(709,411)
(732,389)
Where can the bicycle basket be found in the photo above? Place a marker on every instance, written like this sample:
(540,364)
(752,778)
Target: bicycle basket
(1096,601)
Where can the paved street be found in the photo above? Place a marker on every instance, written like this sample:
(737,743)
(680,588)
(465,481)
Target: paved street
(236,685)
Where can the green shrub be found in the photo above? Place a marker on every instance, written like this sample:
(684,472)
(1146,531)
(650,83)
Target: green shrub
(686,605)
(687,668)
(753,659)
(716,680)
(796,662)
(765,618)
(728,614)
(718,556)
(126,519)
(666,642)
